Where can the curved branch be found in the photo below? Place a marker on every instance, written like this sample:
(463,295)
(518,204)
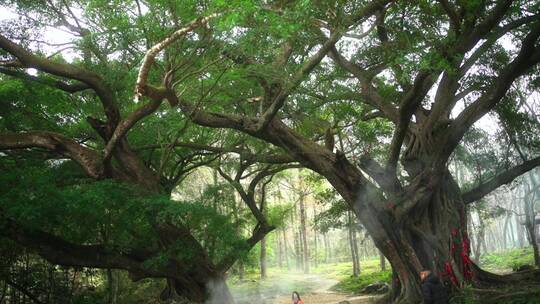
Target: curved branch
(499,180)
(258,234)
(369,92)
(244,153)
(450,10)
(491,39)
(314,60)
(528,56)
(61,252)
(87,158)
(445,97)
(296,80)
(247,197)
(70,71)
(262,228)
(156,49)
(70,88)
(483,28)
(408,105)
(126,124)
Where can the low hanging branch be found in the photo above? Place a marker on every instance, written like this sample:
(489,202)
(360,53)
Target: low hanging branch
(499,180)
(61,252)
(88,159)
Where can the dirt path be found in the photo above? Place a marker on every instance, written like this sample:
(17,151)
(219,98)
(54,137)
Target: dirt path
(277,289)
(326,298)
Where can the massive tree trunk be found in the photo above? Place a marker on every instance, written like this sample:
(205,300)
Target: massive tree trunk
(424,229)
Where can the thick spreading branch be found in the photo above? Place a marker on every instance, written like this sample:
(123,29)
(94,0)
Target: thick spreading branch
(528,56)
(245,154)
(499,180)
(466,41)
(491,39)
(446,96)
(450,10)
(70,88)
(70,71)
(408,105)
(296,80)
(126,124)
(87,158)
(61,252)
(368,91)
(482,29)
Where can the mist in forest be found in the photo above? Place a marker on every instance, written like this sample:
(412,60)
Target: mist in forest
(263,294)
(218,292)
(280,286)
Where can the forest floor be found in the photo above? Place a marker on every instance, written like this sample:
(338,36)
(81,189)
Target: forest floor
(278,287)
(321,285)
(332,283)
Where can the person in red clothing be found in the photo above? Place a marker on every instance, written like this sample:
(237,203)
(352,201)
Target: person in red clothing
(296,298)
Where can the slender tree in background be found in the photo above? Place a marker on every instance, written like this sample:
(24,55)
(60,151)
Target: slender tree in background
(382,262)
(353,244)
(530,200)
(401,82)
(303,233)
(315,241)
(285,250)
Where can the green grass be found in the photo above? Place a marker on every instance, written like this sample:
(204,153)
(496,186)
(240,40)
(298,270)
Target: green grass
(507,260)
(280,279)
(370,273)
(355,285)
(340,271)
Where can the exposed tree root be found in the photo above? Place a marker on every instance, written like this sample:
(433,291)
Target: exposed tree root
(485,279)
